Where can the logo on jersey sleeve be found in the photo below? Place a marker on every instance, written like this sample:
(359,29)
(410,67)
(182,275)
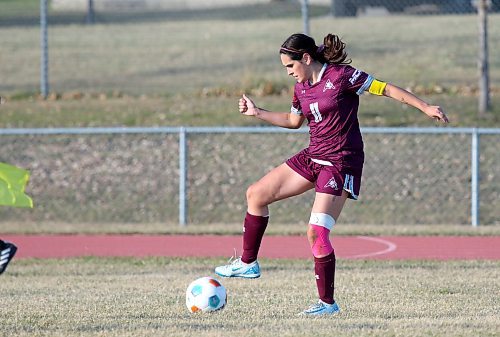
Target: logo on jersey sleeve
(354,76)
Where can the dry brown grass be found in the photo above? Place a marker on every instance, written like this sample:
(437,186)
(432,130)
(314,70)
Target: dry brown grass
(145,297)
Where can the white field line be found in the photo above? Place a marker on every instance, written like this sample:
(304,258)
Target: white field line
(390,247)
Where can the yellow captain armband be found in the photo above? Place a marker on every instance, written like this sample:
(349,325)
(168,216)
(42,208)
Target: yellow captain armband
(377,87)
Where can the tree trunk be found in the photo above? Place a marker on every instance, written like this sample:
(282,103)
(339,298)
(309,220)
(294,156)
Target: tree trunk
(484,86)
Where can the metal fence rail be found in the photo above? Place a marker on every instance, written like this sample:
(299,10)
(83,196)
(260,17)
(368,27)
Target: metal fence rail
(200,174)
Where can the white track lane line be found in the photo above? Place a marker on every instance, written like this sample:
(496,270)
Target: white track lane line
(391,246)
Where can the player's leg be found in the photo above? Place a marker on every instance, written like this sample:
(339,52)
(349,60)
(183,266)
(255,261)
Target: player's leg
(280,183)
(326,210)
(333,187)
(7,252)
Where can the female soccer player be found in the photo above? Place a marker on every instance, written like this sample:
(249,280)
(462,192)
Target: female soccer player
(327,95)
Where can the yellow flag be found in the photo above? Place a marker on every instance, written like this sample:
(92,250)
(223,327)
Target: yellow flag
(13,181)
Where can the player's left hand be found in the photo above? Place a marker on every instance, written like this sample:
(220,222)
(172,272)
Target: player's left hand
(435,111)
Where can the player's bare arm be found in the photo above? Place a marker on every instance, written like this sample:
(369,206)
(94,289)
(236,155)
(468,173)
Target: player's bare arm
(403,96)
(282,119)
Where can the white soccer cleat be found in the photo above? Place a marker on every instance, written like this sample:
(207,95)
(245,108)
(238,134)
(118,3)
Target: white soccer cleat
(322,308)
(238,268)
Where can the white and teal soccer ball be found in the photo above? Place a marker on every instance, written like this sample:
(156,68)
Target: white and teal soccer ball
(205,294)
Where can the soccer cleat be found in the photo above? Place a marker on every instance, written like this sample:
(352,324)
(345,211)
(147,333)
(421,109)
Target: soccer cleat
(7,252)
(238,268)
(322,308)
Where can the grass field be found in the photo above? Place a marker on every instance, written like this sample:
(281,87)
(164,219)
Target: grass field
(145,297)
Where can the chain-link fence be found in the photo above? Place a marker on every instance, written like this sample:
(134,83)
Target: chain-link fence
(411,7)
(119,176)
(167,47)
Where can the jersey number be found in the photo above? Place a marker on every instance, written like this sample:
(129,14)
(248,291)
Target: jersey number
(315,111)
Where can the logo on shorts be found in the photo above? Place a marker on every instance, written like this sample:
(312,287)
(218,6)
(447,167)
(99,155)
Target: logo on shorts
(328,86)
(332,183)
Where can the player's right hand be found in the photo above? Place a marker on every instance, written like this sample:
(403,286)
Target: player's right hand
(247,106)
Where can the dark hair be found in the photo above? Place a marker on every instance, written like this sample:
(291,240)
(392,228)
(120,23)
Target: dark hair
(331,51)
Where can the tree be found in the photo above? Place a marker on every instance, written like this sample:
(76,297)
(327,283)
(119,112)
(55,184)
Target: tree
(484,81)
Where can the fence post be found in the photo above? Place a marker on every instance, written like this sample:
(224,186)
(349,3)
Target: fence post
(475,178)
(44,59)
(90,19)
(484,81)
(182,176)
(305,15)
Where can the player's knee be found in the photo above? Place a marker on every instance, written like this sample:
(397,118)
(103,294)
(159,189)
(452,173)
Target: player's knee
(255,195)
(312,234)
(318,234)
(320,241)
(251,192)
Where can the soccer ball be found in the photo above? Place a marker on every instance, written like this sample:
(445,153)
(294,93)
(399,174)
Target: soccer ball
(205,294)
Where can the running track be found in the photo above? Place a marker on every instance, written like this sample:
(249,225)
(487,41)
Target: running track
(346,247)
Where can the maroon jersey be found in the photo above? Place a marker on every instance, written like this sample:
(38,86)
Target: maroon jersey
(331,107)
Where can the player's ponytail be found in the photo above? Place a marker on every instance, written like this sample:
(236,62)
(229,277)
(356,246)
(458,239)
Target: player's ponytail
(331,51)
(334,50)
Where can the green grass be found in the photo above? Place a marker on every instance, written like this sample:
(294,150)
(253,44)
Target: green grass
(15,8)
(197,110)
(145,297)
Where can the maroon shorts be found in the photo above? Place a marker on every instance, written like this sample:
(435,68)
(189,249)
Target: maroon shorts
(328,179)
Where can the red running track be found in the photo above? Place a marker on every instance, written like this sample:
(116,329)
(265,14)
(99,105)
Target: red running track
(347,247)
